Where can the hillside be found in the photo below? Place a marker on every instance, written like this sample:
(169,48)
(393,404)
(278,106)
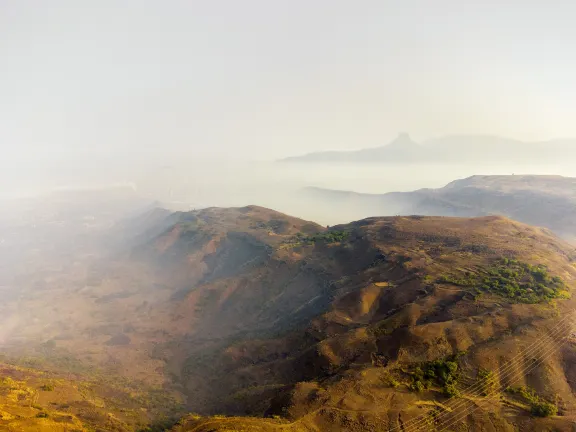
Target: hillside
(250,313)
(34,399)
(107,307)
(547,201)
(412,295)
(452,148)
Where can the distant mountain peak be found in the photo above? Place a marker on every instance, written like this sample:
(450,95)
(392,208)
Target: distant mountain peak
(403,140)
(403,136)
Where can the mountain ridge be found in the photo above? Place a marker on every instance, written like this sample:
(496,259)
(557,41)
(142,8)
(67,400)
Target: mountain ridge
(547,201)
(450,148)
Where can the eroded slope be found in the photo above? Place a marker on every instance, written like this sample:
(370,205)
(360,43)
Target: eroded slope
(483,296)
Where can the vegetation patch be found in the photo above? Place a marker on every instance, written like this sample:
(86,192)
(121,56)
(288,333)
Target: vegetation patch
(328,237)
(442,373)
(515,280)
(389,380)
(539,407)
(488,381)
(276,226)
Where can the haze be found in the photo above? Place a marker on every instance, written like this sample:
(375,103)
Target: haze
(181,96)
(287,216)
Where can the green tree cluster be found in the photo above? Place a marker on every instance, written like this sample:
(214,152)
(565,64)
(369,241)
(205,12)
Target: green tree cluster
(515,280)
(442,373)
(539,407)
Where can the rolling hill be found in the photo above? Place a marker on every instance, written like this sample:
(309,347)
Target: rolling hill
(547,201)
(420,294)
(261,321)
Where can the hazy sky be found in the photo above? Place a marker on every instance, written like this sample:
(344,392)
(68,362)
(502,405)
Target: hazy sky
(264,79)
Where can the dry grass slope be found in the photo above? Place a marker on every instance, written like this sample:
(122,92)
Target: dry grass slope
(406,323)
(399,305)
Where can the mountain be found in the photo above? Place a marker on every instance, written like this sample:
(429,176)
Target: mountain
(327,330)
(453,148)
(387,323)
(419,322)
(548,201)
(401,149)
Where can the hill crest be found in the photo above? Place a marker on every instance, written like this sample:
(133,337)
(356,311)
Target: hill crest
(547,201)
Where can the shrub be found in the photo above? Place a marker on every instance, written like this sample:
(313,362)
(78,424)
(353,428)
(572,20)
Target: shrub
(544,409)
(391,381)
(417,386)
(450,390)
(488,381)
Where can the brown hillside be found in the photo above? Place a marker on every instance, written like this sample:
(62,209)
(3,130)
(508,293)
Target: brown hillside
(122,316)
(249,312)
(399,293)
(37,400)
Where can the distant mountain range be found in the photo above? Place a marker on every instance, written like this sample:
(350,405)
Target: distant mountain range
(547,201)
(454,148)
